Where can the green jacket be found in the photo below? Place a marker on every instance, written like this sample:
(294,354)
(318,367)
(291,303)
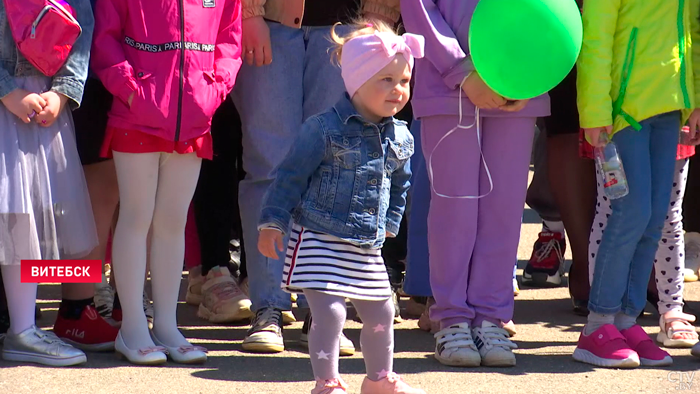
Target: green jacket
(637,61)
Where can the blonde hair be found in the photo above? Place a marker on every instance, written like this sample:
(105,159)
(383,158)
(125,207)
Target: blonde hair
(361,27)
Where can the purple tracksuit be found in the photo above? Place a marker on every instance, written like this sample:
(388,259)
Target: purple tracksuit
(473,242)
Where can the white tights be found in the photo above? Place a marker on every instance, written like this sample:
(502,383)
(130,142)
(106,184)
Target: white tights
(21,299)
(155,190)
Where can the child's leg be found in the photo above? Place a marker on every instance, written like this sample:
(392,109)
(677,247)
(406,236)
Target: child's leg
(451,221)
(138,181)
(490,289)
(329,314)
(21,299)
(670,262)
(377,337)
(177,180)
(603,211)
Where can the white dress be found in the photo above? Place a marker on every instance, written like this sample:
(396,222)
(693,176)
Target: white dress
(45,210)
(322,262)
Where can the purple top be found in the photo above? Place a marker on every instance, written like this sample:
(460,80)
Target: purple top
(445,26)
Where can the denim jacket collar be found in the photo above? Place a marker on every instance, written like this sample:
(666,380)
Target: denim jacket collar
(346,111)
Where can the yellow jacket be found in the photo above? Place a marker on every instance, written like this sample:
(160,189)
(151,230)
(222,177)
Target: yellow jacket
(637,61)
(291,12)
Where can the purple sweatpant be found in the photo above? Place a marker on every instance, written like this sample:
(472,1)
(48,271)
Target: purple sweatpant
(474,242)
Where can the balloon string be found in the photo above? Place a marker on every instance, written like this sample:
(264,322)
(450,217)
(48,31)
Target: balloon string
(481,152)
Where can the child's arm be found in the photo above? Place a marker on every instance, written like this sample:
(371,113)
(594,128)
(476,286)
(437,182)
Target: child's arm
(293,176)
(108,59)
(594,79)
(227,55)
(400,182)
(442,48)
(386,10)
(70,79)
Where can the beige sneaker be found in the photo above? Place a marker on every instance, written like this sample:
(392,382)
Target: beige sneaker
(222,299)
(195,280)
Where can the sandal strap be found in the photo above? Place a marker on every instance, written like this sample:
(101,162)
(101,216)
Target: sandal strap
(676,316)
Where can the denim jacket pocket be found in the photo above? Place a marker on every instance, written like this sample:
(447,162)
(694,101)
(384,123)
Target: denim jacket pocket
(346,150)
(320,190)
(397,154)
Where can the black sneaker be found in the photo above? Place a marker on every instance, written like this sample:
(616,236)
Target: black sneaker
(347,348)
(265,334)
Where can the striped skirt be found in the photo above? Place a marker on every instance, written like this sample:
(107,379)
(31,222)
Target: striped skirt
(318,261)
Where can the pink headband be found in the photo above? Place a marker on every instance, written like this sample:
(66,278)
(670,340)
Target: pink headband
(366,55)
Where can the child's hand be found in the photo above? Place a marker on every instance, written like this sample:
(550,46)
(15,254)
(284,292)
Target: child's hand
(480,94)
(389,235)
(267,240)
(23,104)
(694,126)
(257,48)
(593,135)
(54,105)
(514,106)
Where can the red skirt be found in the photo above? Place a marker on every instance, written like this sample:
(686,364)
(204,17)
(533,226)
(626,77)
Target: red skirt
(132,141)
(585,149)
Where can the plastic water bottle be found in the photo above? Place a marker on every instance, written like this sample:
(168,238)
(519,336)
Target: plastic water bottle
(610,166)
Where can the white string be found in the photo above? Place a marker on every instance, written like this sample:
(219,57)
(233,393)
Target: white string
(481,153)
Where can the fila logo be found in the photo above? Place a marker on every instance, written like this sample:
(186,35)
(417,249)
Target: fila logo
(208,3)
(75,333)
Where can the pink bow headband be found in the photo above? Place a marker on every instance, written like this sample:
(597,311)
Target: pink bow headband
(364,56)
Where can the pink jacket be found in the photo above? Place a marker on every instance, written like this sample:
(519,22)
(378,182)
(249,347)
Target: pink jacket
(179,58)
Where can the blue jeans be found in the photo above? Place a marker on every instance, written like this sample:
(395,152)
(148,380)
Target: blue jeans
(417,280)
(273,101)
(626,255)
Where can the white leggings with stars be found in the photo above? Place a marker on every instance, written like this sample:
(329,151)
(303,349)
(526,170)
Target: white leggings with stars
(377,337)
(669,261)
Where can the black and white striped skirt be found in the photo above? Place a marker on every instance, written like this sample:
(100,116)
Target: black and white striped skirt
(318,261)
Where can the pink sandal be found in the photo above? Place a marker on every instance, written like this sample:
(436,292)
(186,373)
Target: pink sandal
(669,336)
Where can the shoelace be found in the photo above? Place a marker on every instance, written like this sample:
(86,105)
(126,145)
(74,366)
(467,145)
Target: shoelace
(455,337)
(267,317)
(547,248)
(496,337)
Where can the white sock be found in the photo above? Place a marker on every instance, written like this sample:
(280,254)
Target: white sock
(597,320)
(555,227)
(21,299)
(623,322)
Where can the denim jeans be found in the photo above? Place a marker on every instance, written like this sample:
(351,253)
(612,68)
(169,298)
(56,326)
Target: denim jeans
(626,255)
(273,102)
(417,280)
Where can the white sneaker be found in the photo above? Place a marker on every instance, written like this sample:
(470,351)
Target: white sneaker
(495,346)
(692,251)
(104,298)
(454,346)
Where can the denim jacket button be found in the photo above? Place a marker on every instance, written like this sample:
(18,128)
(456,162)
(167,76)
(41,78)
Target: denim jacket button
(375,155)
(371,211)
(345,141)
(373,182)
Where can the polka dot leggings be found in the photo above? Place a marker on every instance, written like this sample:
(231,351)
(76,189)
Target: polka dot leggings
(669,261)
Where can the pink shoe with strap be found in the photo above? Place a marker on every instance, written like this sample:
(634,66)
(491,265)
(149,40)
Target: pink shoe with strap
(331,386)
(390,384)
(606,347)
(649,353)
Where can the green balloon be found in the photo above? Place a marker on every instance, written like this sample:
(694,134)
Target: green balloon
(524,48)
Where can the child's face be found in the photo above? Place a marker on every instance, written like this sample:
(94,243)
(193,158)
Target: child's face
(386,93)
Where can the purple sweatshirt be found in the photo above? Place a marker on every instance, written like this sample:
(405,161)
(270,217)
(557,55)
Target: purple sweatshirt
(445,26)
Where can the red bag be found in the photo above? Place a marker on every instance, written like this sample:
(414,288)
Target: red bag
(44,30)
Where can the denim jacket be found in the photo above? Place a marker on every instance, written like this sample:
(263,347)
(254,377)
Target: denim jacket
(343,176)
(70,79)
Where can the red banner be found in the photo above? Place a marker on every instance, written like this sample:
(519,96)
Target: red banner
(61,271)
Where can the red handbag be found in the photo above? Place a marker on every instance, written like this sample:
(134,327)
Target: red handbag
(44,30)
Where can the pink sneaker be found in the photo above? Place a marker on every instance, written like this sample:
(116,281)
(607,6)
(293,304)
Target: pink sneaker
(649,353)
(606,347)
(391,384)
(332,386)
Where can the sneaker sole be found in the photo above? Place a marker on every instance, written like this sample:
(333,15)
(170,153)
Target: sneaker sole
(243,313)
(587,357)
(344,351)
(656,363)
(466,363)
(501,362)
(95,347)
(44,360)
(262,347)
(541,279)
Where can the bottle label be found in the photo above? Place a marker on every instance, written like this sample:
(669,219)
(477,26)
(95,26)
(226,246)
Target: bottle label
(611,178)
